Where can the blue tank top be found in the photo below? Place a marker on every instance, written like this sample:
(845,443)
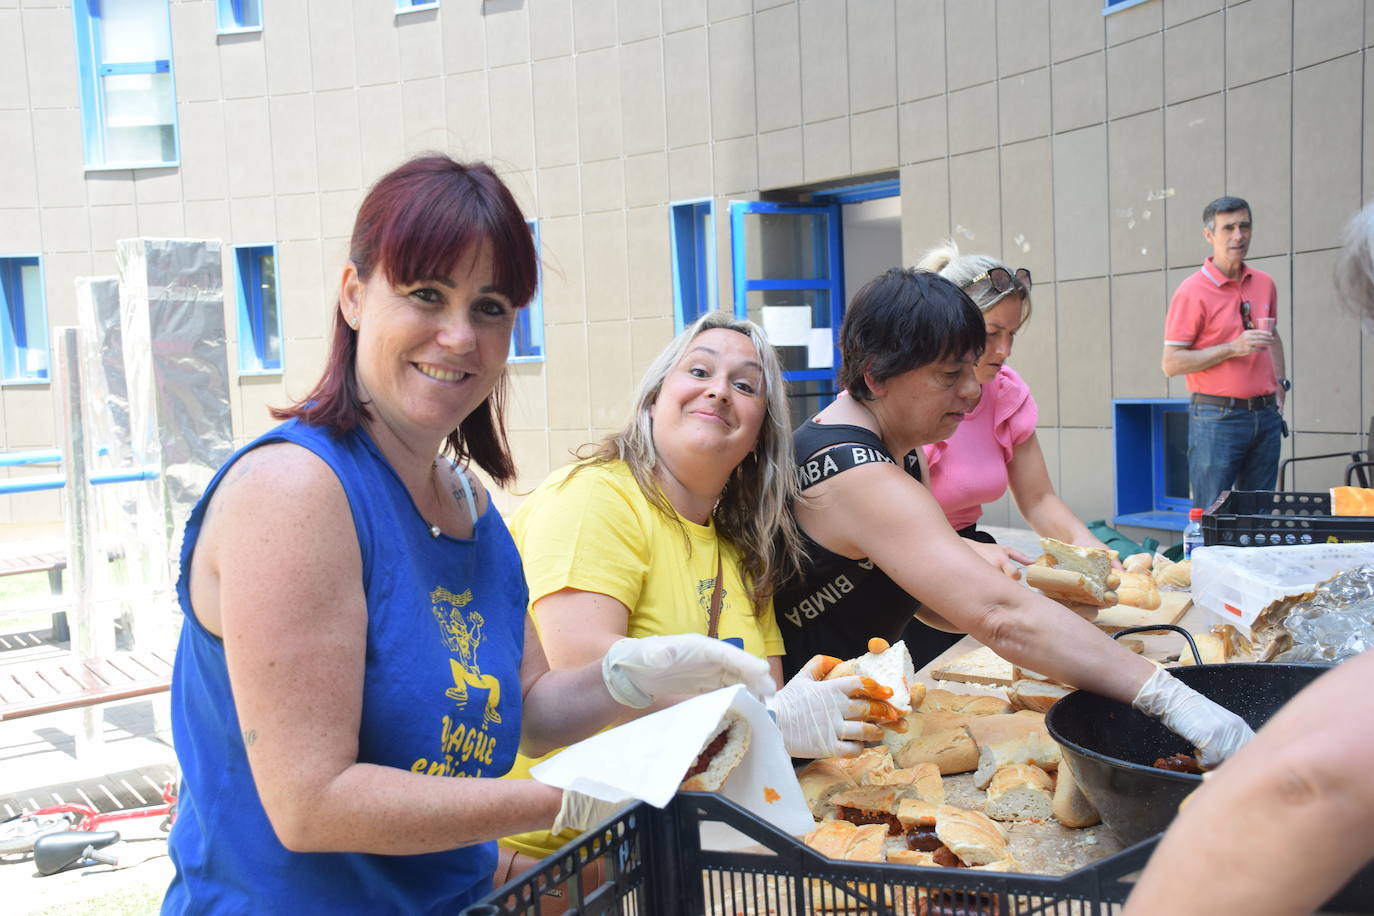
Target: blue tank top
(441,695)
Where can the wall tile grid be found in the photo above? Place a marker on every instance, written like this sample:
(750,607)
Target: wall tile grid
(1079,145)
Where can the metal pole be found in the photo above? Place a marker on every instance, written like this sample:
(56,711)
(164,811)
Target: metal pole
(88,636)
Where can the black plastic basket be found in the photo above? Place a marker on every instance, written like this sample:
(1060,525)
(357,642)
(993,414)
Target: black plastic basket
(654,866)
(1266,518)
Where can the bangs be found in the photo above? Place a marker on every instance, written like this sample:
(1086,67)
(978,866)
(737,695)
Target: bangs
(440,226)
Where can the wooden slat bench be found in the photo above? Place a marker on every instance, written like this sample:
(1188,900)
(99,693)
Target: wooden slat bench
(71,683)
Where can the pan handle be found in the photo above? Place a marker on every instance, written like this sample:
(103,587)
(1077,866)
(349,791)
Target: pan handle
(1197,656)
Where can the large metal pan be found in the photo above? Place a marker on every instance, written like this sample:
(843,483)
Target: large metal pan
(1111,746)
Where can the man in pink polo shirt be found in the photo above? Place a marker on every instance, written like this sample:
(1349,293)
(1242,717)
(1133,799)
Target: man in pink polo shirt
(1220,333)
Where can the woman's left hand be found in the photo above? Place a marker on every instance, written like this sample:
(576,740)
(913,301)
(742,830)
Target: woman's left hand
(820,718)
(1001,556)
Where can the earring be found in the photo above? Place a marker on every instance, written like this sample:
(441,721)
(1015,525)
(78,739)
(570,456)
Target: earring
(353,322)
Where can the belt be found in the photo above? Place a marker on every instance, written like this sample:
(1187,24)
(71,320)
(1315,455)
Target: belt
(1255,403)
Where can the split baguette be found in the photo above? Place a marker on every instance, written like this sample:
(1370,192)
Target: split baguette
(722,763)
(1068,572)
(971,835)
(1004,740)
(1071,807)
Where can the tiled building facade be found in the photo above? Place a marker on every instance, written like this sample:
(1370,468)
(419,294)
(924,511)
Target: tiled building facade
(1080,145)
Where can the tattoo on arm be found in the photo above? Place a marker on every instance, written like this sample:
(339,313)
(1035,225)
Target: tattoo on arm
(250,737)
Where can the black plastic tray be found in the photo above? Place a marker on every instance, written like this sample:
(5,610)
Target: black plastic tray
(1266,518)
(655,866)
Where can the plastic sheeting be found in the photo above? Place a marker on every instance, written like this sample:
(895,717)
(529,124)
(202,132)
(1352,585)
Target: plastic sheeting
(177,371)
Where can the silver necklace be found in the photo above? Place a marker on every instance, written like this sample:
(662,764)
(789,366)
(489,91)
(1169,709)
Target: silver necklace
(434,531)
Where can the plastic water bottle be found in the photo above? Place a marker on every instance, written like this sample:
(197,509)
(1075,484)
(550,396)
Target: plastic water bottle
(1192,534)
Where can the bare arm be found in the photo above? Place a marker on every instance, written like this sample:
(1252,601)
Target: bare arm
(879,512)
(1283,823)
(295,646)
(1038,503)
(1183,360)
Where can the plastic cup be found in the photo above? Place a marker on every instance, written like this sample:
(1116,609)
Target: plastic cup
(1266,324)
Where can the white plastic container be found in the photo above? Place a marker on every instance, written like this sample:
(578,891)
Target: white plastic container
(1237,583)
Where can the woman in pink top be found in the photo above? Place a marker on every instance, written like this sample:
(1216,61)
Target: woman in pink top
(996,447)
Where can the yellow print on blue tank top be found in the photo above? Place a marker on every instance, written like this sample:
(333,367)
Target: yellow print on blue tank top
(462,744)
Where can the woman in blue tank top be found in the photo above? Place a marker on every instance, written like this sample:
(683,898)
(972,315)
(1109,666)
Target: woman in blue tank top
(356,666)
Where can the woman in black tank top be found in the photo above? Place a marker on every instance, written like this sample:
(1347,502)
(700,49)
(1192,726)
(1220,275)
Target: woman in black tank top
(878,545)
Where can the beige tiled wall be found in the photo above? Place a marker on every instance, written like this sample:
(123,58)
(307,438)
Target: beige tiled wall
(1078,145)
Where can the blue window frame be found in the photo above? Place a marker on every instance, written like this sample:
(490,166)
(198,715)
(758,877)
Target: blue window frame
(1151,462)
(234,16)
(128,95)
(259,310)
(692,228)
(527,337)
(411,6)
(23,320)
(1114,6)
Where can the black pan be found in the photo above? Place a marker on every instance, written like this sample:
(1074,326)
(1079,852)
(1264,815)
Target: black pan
(1111,747)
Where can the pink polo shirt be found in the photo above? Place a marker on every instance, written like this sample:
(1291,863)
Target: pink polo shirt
(1205,311)
(969,469)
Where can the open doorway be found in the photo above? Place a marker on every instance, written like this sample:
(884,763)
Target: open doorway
(797,259)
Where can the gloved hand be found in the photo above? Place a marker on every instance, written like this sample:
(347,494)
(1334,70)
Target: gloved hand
(824,718)
(583,812)
(639,671)
(1217,733)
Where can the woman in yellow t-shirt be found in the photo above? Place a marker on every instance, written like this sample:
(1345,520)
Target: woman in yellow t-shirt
(692,494)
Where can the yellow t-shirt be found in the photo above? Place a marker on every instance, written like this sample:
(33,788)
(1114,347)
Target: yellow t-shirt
(596,532)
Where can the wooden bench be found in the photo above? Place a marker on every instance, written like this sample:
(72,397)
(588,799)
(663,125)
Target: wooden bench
(51,562)
(34,688)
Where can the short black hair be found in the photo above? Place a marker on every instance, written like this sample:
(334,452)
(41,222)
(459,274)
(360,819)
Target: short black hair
(902,320)
(1223,205)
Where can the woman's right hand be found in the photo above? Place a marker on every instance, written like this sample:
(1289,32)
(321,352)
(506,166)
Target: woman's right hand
(1215,732)
(639,671)
(820,718)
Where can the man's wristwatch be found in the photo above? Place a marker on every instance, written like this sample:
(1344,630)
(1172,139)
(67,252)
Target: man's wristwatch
(1285,384)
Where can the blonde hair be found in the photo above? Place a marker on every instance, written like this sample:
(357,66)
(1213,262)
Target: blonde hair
(1355,267)
(752,512)
(963,269)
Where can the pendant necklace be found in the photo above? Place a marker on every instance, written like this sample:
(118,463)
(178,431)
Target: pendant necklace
(434,531)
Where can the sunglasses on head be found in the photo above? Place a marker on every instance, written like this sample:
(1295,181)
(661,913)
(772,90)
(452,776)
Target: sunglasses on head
(991,285)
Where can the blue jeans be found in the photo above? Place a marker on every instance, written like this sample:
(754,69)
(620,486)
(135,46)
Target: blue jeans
(1231,449)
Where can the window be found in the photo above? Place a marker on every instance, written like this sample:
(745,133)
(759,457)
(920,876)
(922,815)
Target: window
(693,234)
(411,6)
(259,309)
(128,99)
(239,16)
(1151,462)
(527,337)
(1112,6)
(23,320)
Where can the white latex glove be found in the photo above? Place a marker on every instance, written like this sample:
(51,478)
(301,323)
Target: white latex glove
(1217,733)
(583,812)
(639,671)
(818,718)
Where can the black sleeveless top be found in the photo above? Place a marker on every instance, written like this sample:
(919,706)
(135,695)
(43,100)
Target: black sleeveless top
(837,604)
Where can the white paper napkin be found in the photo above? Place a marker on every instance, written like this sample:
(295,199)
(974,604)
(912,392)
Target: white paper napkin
(646,759)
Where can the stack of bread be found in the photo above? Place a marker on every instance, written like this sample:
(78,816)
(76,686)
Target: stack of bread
(895,791)
(1161,572)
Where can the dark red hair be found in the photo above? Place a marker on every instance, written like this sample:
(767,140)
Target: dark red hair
(419,222)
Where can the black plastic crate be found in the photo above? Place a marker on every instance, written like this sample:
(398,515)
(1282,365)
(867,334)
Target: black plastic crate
(654,866)
(1265,518)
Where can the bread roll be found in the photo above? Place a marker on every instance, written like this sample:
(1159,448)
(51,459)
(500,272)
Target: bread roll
(888,667)
(1067,572)
(820,780)
(912,857)
(917,812)
(951,750)
(966,704)
(1138,590)
(1141,562)
(971,835)
(1352,501)
(1020,792)
(1212,647)
(1004,740)
(923,779)
(1071,807)
(1036,695)
(1175,575)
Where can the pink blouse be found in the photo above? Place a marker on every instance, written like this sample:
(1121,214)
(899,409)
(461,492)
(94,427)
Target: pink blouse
(969,469)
